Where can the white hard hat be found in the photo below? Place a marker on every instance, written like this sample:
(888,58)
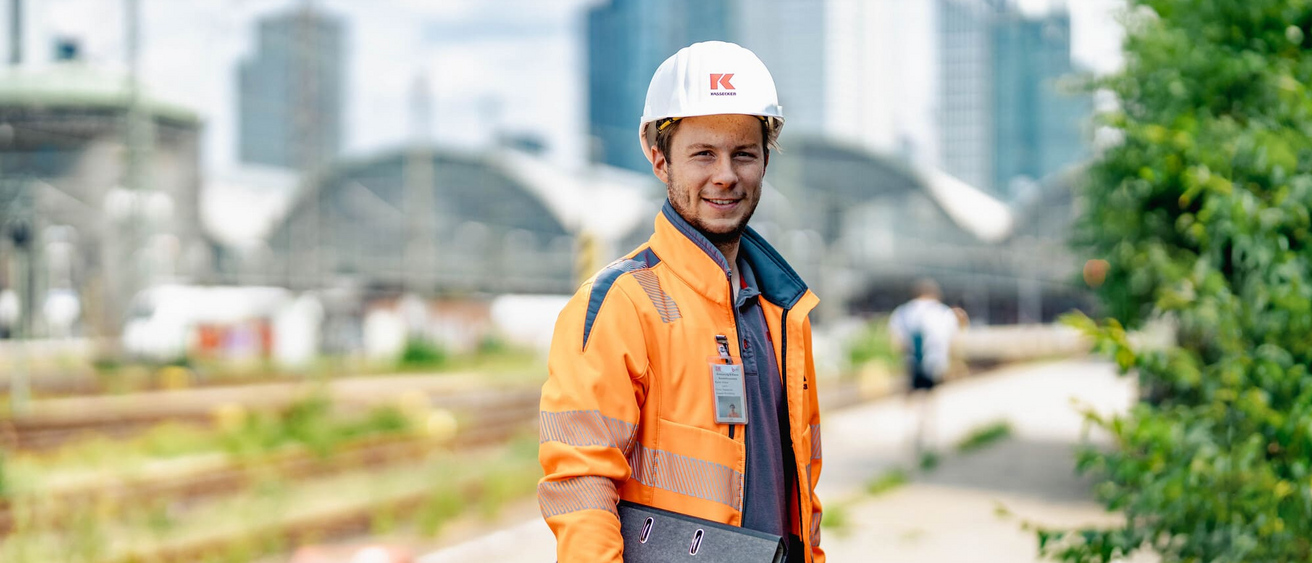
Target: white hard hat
(708,78)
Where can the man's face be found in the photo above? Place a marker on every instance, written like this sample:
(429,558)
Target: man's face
(713,173)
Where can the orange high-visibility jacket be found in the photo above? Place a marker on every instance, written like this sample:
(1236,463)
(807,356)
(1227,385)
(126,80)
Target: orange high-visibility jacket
(627,410)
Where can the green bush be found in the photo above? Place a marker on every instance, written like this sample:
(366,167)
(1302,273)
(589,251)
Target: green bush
(1202,211)
(872,343)
(311,422)
(492,344)
(420,353)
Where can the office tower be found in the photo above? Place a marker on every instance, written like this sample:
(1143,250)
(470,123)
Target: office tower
(291,91)
(626,41)
(1002,112)
(789,37)
(1038,119)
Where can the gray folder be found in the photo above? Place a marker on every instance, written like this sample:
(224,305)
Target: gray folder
(652,535)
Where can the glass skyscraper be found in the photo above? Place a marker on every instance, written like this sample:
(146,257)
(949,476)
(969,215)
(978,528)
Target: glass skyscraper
(290,91)
(627,40)
(965,112)
(1002,113)
(1038,124)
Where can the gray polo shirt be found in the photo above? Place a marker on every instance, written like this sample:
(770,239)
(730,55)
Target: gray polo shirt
(770,468)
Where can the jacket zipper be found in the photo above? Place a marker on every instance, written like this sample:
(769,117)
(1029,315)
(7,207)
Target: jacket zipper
(737,334)
(728,276)
(802,525)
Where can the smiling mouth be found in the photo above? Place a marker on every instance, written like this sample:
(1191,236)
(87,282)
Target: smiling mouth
(720,202)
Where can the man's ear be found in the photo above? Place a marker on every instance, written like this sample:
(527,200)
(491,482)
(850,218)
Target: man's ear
(659,166)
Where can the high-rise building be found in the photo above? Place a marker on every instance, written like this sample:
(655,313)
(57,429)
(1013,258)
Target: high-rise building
(1002,114)
(965,113)
(789,37)
(627,40)
(291,91)
(1038,123)
(881,76)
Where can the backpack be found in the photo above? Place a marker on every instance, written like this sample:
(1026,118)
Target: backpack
(917,349)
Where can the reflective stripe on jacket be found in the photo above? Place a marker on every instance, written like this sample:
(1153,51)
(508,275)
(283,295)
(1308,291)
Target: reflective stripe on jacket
(627,411)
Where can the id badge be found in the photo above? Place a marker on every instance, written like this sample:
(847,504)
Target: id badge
(730,393)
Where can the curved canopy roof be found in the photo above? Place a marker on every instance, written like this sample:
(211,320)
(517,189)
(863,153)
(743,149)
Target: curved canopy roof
(73,85)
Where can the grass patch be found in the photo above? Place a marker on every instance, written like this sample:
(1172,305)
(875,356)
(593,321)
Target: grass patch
(837,519)
(872,343)
(309,423)
(887,481)
(985,436)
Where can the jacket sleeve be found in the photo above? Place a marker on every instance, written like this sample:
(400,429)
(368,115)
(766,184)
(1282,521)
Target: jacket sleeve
(817,457)
(588,417)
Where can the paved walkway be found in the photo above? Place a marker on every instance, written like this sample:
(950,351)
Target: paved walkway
(968,510)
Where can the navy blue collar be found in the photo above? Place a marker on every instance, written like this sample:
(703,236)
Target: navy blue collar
(748,288)
(695,236)
(777,281)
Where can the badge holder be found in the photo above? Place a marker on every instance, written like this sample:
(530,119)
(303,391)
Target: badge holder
(728,384)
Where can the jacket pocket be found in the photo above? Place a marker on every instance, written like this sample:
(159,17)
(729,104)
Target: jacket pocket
(692,471)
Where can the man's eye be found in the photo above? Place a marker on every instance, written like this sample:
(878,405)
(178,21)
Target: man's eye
(745,155)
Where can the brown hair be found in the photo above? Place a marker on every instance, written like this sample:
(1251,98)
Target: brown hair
(769,134)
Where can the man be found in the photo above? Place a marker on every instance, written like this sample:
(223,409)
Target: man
(703,313)
(923,329)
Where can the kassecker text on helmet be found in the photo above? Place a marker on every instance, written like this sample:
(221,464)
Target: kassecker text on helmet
(722,80)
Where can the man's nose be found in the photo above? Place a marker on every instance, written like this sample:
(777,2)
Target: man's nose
(724,173)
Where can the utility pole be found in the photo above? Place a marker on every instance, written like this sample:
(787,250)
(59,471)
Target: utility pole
(307,134)
(21,231)
(135,262)
(15,32)
(420,256)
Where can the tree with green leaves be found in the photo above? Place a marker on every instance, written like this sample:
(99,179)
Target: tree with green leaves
(1201,208)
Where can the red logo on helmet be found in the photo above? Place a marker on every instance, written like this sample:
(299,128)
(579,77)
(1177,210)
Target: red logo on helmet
(718,80)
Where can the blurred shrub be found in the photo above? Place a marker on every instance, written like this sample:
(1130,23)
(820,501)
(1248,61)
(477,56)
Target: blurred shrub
(173,439)
(421,353)
(492,344)
(872,344)
(106,364)
(1202,211)
(310,423)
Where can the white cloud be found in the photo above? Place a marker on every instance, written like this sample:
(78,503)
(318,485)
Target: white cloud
(1096,34)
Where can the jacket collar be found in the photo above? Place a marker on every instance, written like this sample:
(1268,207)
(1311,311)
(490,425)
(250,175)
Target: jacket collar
(695,260)
(748,288)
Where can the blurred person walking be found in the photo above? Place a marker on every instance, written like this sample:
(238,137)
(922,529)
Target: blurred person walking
(653,355)
(10,313)
(923,329)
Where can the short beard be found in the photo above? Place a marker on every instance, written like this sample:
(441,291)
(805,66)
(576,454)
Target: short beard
(720,240)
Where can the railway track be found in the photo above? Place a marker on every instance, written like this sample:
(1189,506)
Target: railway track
(485,419)
(55,422)
(348,521)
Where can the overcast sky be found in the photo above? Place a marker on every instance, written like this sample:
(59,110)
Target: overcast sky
(517,65)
